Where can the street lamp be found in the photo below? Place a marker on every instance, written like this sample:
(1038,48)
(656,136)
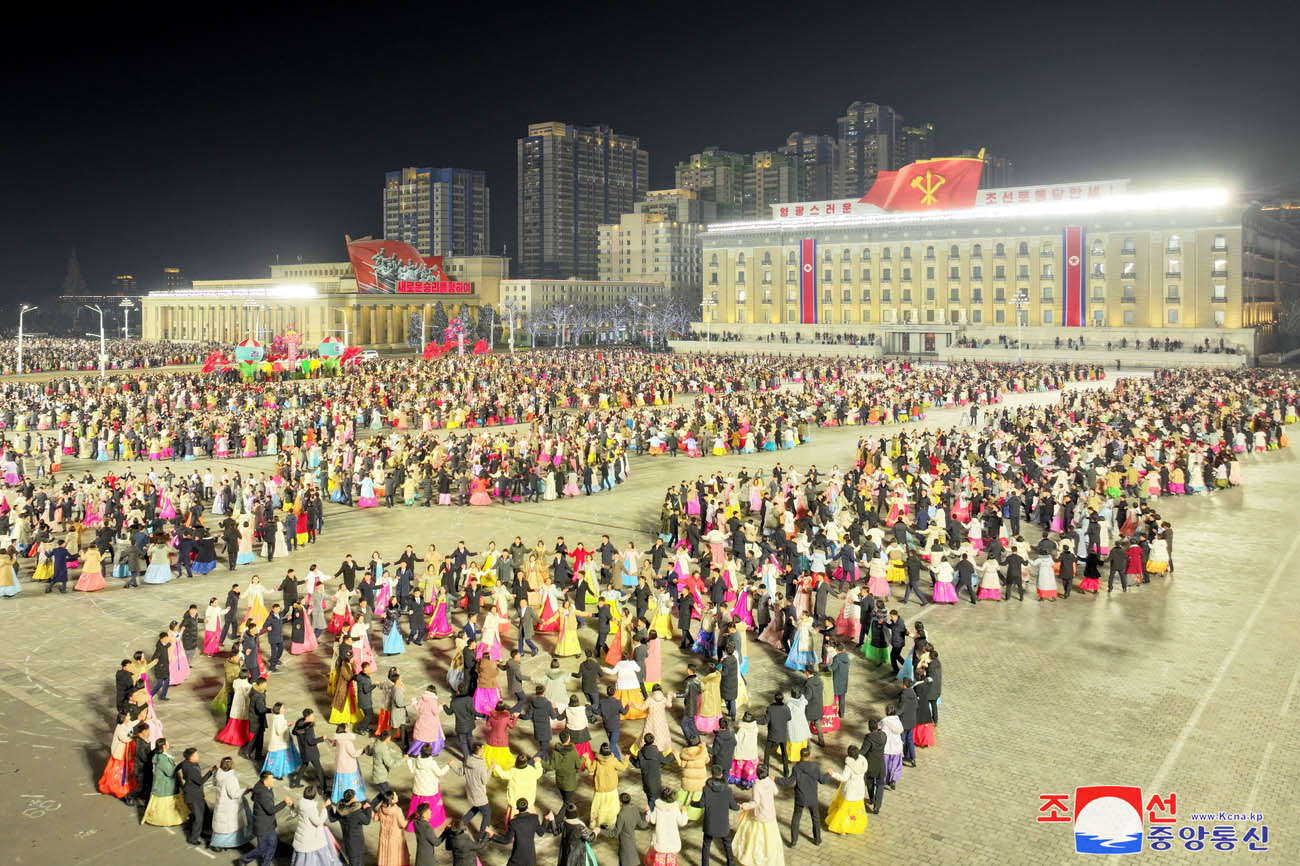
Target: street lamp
(25,308)
(126,307)
(103,355)
(1021,300)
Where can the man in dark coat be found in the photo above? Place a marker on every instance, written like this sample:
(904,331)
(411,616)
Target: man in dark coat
(540,712)
(629,820)
(589,676)
(256,749)
(777,719)
(352,816)
(723,749)
(728,685)
(192,781)
(896,633)
(718,803)
(609,711)
(650,761)
(907,703)
(685,609)
(691,690)
(873,749)
(934,676)
(124,683)
(265,808)
(304,734)
(522,833)
(812,687)
(462,709)
(365,699)
(231,613)
(840,677)
(805,779)
(427,839)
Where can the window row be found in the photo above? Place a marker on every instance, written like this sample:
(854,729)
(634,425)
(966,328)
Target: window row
(889,317)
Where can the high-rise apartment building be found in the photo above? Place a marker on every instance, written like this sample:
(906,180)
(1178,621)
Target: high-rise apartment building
(871,141)
(124,284)
(819,161)
(573,179)
(916,142)
(718,176)
(438,211)
(998,171)
(742,185)
(174,279)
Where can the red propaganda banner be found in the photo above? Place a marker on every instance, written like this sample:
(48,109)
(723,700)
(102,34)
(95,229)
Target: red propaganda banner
(439,288)
(1072,244)
(380,265)
(808,281)
(930,184)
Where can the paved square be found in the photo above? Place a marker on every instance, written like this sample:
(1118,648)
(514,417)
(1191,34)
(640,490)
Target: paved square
(1187,685)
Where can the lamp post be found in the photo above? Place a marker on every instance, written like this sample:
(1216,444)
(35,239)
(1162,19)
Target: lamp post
(126,306)
(707,305)
(509,307)
(25,308)
(103,355)
(1021,300)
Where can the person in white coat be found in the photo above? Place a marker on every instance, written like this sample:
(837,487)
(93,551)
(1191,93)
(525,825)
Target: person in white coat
(229,813)
(847,813)
(665,839)
(310,845)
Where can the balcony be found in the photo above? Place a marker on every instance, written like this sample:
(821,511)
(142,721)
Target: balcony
(1128,251)
(1047,254)
(1173,275)
(1128,275)
(1128,299)
(1218,273)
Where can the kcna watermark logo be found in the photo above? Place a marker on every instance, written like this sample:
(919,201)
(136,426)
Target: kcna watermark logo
(1116,819)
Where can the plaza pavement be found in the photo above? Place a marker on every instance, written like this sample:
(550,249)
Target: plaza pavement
(1186,686)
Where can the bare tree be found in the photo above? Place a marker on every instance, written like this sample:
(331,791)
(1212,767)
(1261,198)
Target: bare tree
(559,316)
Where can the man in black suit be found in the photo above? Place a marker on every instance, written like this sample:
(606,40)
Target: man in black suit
(231,613)
(264,809)
(256,750)
(304,733)
(896,633)
(603,617)
(365,699)
(462,709)
(192,781)
(274,631)
(160,673)
(522,833)
(718,803)
(415,619)
(805,779)
(907,703)
(777,719)
(873,749)
(692,688)
(609,711)
(184,547)
(124,683)
(348,571)
(289,589)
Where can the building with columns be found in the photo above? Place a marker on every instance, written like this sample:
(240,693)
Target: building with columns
(315,299)
(1074,257)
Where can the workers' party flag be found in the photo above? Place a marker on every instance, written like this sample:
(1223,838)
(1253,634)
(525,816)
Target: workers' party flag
(930,184)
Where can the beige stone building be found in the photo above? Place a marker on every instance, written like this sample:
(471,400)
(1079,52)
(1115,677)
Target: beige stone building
(1086,255)
(316,299)
(659,243)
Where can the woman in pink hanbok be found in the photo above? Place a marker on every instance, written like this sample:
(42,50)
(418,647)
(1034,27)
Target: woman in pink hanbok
(740,611)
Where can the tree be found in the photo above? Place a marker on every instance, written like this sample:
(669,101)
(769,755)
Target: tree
(438,321)
(559,316)
(413,331)
(533,325)
(487,320)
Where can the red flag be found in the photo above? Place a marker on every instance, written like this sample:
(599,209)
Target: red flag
(931,184)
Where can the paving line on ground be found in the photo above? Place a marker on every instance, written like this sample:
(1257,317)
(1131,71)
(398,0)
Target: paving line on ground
(1246,631)
(1290,693)
(1259,776)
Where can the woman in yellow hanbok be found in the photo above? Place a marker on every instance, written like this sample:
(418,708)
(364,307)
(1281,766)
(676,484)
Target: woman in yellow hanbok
(256,595)
(568,643)
(660,614)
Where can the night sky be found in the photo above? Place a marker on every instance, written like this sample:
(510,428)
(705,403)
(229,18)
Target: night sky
(150,139)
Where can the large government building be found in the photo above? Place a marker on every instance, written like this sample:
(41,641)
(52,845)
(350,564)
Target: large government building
(1196,263)
(317,300)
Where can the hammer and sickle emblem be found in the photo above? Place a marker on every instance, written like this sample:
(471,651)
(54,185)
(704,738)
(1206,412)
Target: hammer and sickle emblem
(928,186)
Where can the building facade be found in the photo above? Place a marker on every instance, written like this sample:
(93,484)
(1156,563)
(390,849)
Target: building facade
(316,299)
(551,302)
(174,279)
(438,211)
(572,179)
(998,171)
(742,186)
(1073,255)
(124,284)
(819,162)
